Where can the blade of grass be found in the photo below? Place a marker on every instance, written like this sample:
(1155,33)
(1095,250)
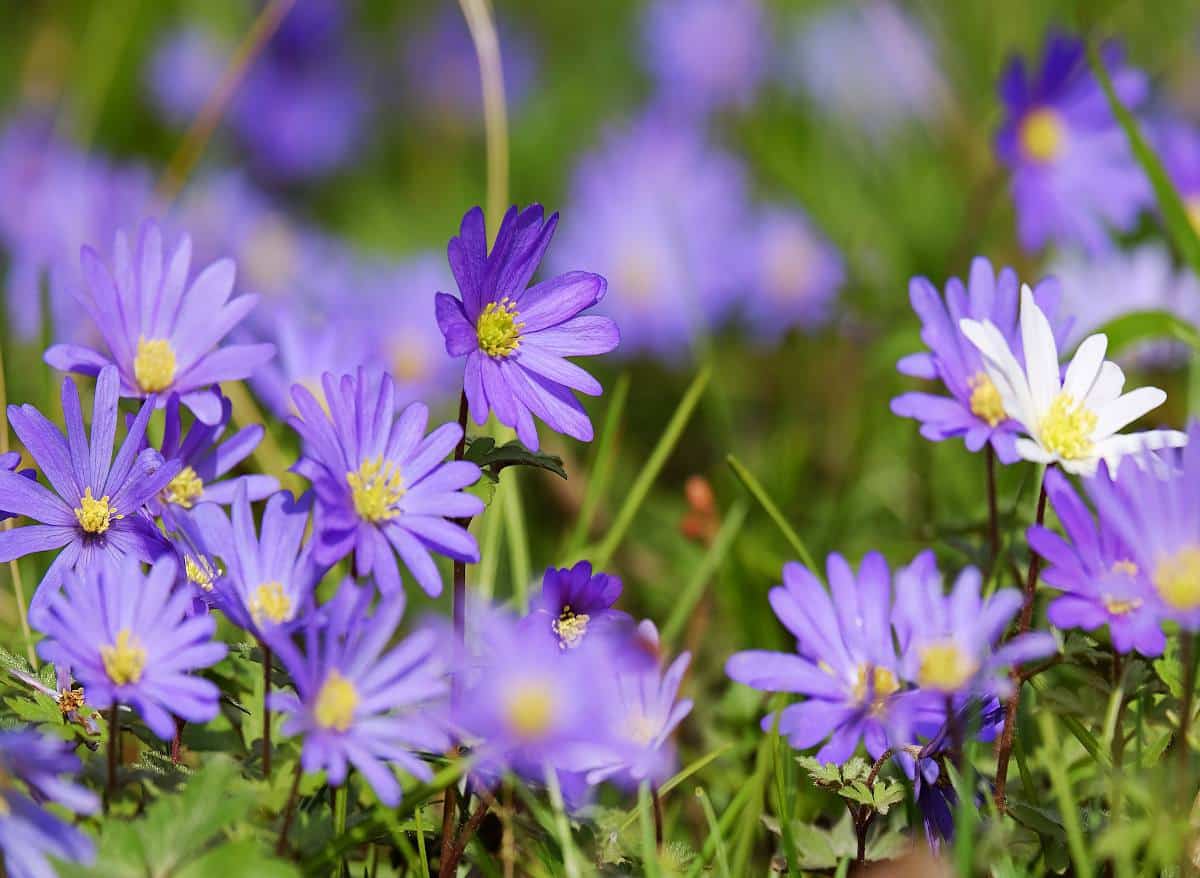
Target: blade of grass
(561,827)
(1056,768)
(783,762)
(1076,728)
(710,846)
(693,589)
(13,566)
(646,825)
(714,832)
(752,814)
(424,858)
(518,542)
(654,464)
(600,471)
(759,493)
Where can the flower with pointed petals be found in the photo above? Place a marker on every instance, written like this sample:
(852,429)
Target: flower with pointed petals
(1073,174)
(1072,420)
(1095,570)
(267,577)
(574,604)
(948,642)
(360,702)
(974,409)
(382,487)
(130,638)
(846,662)
(161,332)
(31,774)
(96,506)
(516,337)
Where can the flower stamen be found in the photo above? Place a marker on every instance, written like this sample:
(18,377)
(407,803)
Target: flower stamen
(376,489)
(154,365)
(336,703)
(986,403)
(945,666)
(1177,578)
(1066,429)
(570,627)
(125,659)
(185,489)
(497,328)
(529,710)
(95,516)
(1043,135)
(271,603)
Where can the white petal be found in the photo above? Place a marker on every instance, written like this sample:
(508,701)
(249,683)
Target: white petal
(1107,387)
(1124,410)
(1041,353)
(1002,367)
(1081,466)
(1115,447)
(1085,366)
(1030,450)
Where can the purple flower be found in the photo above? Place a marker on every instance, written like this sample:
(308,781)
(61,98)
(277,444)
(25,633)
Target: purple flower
(130,638)
(161,332)
(267,577)
(1150,505)
(381,486)
(706,54)
(797,274)
(516,337)
(948,642)
(846,663)
(183,72)
(1073,174)
(574,604)
(9,461)
(360,702)
(96,506)
(1179,147)
(1095,570)
(974,409)
(28,832)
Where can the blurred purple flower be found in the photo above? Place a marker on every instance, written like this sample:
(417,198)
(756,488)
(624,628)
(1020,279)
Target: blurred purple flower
(1178,145)
(516,337)
(575,604)
(184,70)
(1073,174)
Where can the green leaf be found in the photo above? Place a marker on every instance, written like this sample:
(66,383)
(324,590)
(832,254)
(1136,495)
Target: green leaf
(1138,326)
(486,454)
(238,859)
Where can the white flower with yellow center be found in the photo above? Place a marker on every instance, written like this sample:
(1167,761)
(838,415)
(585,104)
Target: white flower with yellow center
(1075,420)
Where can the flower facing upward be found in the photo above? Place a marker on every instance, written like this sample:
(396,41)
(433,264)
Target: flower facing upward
(360,702)
(382,487)
(516,337)
(974,410)
(31,774)
(846,662)
(162,333)
(1072,171)
(95,509)
(1073,420)
(574,604)
(130,637)
(1094,568)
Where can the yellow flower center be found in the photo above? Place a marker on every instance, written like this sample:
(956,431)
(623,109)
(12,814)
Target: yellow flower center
(882,683)
(570,627)
(985,399)
(1066,430)
(641,729)
(124,660)
(1043,135)
(336,703)
(184,489)
(529,709)
(1125,566)
(945,666)
(1192,205)
(1121,606)
(498,331)
(1177,578)
(271,603)
(201,572)
(95,516)
(376,489)
(154,365)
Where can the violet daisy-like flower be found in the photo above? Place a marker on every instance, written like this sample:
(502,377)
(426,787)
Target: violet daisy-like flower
(32,769)
(266,574)
(1151,506)
(96,506)
(360,702)
(1073,174)
(846,663)
(382,487)
(948,642)
(1095,570)
(574,603)
(515,336)
(974,409)
(1071,419)
(161,331)
(130,638)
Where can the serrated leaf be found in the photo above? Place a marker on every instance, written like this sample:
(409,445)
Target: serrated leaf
(486,454)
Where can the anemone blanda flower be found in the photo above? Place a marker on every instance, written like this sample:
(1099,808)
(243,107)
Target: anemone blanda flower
(574,603)
(130,638)
(267,574)
(162,332)
(1151,506)
(515,336)
(974,409)
(360,702)
(32,769)
(382,487)
(948,642)
(846,662)
(1073,174)
(1071,420)
(96,506)
(1095,571)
